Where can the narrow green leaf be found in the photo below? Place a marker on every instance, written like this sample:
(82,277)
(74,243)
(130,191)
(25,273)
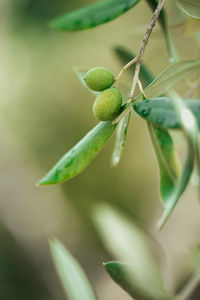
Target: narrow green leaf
(190,129)
(92,15)
(167,160)
(73,278)
(161,112)
(169,77)
(190,7)
(120,139)
(77,159)
(128,243)
(173,56)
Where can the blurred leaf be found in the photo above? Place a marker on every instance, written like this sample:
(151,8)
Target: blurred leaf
(190,129)
(167,160)
(80,73)
(120,139)
(125,56)
(128,243)
(173,57)
(169,77)
(77,159)
(190,7)
(92,15)
(118,272)
(161,112)
(74,280)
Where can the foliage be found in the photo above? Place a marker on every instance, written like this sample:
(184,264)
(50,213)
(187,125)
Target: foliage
(163,109)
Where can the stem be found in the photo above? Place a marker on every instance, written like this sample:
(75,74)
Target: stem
(138,59)
(190,286)
(143,46)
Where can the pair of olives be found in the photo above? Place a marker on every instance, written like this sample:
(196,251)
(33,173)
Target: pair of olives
(108,103)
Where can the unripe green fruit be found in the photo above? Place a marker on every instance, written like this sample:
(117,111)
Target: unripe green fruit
(107,104)
(99,79)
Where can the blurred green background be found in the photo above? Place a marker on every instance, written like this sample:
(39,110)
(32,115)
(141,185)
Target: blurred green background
(44,110)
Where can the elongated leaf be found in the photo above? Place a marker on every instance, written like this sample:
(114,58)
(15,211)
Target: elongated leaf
(161,112)
(92,15)
(170,77)
(128,243)
(190,7)
(173,56)
(167,160)
(77,158)
(120,139)
(190,128)
(73,279)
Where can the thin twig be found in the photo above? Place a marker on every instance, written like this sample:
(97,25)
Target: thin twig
(190,286)
(143,46)
(139,57)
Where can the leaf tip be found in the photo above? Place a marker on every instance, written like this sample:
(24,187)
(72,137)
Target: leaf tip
(163,220)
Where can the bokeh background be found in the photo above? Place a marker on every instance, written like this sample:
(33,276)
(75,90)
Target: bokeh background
(44,110)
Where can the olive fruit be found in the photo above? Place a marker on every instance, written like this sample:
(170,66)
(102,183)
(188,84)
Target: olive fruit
(107,104)
(99,79)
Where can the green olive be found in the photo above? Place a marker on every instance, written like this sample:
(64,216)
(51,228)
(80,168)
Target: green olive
(99,79)
(107,104)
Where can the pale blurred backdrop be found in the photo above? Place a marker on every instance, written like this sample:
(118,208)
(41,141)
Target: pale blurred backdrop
(44,110)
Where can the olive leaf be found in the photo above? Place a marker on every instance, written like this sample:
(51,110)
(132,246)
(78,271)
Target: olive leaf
(161,112)
(169,114)
(190,7)
(170,77)
(173,56)
(92,15)
(171,187)
(190,129)
(120,139)
(78,157)
(126,241)
(73,278)
(167,160)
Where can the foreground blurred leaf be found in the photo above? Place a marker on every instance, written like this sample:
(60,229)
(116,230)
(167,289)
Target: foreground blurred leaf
(74,280)
(190,129)
(119,271)
(92,15)
(128,243)
(173,57)
(161,112)
(190,7)
(77,159)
